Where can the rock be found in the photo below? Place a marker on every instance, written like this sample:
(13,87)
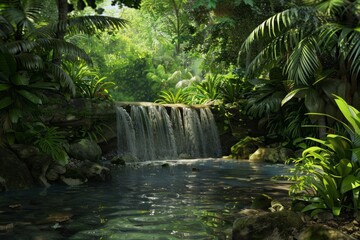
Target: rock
(85,150)
(79,172)
(272,155)
(96,172)
(323,233)
(59,217)
(165,165)
(59,169)
(52,175)
(118,161)
(262,202)
(7,227)
(273,225)
(73,181)
(39,165)
(251,212)
(55,171)
(24,151)
(15,172)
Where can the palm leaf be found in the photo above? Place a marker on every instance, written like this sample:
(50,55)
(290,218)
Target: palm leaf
(5,28)
(303,61)
(62,76)
(15,47)
(277,24)
(30,61)
(64,48)
(330,6)
(90,24)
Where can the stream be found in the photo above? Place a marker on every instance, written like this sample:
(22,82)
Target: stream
(178,199)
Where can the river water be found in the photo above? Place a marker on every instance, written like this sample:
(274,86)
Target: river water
(182,199)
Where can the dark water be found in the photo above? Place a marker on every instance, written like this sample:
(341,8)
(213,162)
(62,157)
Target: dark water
(189,199)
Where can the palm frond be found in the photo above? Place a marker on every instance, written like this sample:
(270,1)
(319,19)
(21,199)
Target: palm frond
(64,47)
(90,24)
(29,61)
(352,52)
(62,76)
(303,61)
(16,47)
(277,24)
(331,6)
(33,9)
(5,28)
(275,50)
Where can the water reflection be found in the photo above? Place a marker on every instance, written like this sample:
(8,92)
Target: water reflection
(180,200)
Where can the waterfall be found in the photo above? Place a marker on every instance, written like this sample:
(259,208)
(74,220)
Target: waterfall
(156,132)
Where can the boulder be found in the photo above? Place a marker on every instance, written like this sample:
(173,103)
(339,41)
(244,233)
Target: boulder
(85,150)
(13,171)
(272,155)
(96,172)
(267,226)
(54,171)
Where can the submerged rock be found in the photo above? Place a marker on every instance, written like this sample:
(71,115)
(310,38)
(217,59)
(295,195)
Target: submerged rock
(85,150)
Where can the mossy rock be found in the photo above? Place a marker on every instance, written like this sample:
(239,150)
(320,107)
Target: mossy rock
(272,225)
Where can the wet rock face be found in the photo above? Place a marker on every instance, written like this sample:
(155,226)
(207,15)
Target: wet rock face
(13,171)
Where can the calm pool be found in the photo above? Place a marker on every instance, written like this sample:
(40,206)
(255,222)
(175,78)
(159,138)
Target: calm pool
(182,199)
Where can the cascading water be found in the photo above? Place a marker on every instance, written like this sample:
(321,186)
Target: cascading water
(151,133)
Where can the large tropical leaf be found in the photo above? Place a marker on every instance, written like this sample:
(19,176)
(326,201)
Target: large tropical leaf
(303,61)
(89,24)
(64,47)
(62,76)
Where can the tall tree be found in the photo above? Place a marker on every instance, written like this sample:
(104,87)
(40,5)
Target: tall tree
(172,18)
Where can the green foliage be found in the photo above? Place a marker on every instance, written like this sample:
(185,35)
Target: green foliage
(314,43)
(88,83)
(179,95)
(330,172)
(20,89)
(49,140)
(206,91)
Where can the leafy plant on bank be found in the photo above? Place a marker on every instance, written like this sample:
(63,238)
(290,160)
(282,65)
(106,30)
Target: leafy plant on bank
(49,140)
(328,175)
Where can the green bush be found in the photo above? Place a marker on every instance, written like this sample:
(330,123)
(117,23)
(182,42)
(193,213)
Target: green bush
(328,175)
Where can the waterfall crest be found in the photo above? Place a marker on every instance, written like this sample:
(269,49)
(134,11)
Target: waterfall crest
(156,132)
